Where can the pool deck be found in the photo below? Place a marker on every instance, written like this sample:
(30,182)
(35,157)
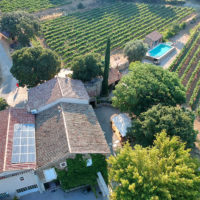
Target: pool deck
(179,42)
(160,58)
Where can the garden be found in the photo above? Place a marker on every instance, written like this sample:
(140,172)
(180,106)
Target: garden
(187,65)
(80,33)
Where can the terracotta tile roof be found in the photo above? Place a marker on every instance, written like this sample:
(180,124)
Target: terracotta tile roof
(114,75)
(55,89)
(83,129)
(68,128)
(3,133)
(51,141)
(154,36)
(10,118)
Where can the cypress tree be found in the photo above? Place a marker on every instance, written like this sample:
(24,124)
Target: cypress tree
(106,69)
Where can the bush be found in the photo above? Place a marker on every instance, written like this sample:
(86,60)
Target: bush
(135,50)
(86,67)
(80,6)
(3,104)
(78,174)
(173,30)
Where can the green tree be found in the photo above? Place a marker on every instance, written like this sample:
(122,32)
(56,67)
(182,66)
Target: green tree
(147,85)
(135,50)
(86,67)
(173,120)
(106,69)
(32,66)
(3,104)
(165,171)
(20,25)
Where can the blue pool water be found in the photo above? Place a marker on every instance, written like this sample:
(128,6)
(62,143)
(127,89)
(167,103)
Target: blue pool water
(159,50)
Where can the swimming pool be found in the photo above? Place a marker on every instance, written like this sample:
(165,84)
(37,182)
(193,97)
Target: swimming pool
(160,50)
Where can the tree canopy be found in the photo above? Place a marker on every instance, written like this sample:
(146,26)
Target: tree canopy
(21,25)
(173,120)
(32,66)
(3,104)
(165,171)
(135,50)
(147,85)
(106,70)
(86,67)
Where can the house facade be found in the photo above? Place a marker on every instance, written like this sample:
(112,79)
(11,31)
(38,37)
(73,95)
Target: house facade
(57,124)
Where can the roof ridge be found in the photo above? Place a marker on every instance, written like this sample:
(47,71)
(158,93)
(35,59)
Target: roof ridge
(64,121)
(60,86)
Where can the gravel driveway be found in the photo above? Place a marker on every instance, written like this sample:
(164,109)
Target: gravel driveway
(103,114)
(8,90)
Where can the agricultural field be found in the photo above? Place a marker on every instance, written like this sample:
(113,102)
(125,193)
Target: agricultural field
(84,32)
(187,65)
(30,5)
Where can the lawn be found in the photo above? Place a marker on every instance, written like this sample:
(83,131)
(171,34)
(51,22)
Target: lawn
(187,65)
(30,5)
(84,32)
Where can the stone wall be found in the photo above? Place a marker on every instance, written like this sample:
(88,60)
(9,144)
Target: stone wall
(94,87)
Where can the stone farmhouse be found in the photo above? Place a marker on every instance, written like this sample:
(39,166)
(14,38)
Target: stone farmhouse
(57,124)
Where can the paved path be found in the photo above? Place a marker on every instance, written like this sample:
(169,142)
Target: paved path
(60,195)
(8,90)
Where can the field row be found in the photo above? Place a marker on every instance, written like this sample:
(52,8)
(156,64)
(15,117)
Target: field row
(30,5)
(187,65)
(85,32)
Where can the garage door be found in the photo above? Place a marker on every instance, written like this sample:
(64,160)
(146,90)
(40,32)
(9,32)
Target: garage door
(27,190)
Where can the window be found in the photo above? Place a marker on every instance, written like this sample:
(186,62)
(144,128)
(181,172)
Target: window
(26,188)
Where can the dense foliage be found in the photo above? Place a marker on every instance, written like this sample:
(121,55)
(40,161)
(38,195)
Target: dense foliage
(20,25)
(106,70)
(164,171)
(173,30)
(187,65)
(173,120)
(32,66)
(72,35)
(147,85)
(30,5)
(86,67)
(135,50)
(3,104)
(79,174)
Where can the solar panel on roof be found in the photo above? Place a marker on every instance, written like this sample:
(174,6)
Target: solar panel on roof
(24,143)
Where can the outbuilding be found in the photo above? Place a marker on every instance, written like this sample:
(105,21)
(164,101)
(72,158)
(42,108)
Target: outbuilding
(153,39)
(120,124)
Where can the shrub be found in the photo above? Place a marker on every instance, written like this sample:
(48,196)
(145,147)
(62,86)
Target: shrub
(86,67)
(135,50)
(78,174)
(80,6)
(3,104)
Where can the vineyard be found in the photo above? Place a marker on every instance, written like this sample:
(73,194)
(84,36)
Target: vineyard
(30,5)
(187,65)
(80,33)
